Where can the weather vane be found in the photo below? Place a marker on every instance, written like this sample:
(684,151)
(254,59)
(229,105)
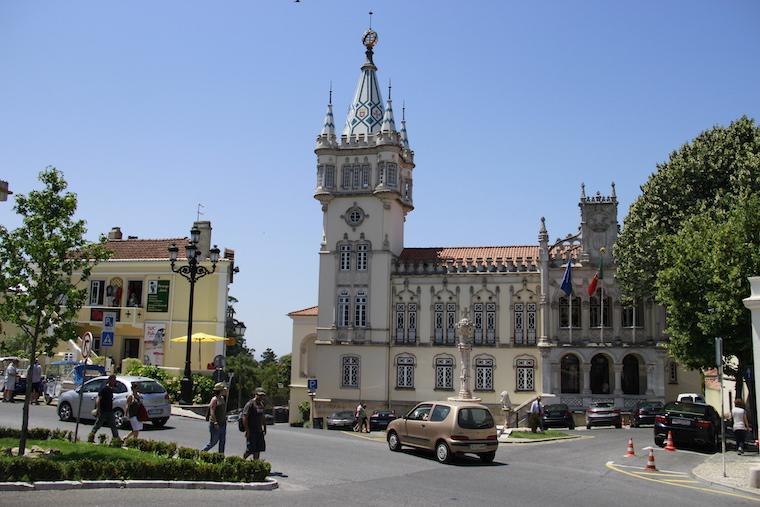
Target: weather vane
(199,211)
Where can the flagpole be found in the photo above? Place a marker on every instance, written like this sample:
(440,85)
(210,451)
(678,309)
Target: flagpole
(571,316)
(601,312)
(634,321)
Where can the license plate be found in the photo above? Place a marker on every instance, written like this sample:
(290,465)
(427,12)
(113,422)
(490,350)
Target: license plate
(155,411)
(680,421)
(477,446)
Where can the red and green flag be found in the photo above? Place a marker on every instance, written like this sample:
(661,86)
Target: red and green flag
(599,275)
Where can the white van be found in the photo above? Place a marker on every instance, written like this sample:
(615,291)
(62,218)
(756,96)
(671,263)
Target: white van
(691,398)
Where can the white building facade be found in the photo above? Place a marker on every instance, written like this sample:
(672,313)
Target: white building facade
(383,331)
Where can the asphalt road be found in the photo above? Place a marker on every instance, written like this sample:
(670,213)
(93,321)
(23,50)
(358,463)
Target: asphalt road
(335,468)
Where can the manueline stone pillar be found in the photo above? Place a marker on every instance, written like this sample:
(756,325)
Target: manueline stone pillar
(753,304)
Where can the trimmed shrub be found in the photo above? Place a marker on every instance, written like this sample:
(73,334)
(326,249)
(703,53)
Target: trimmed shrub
(130,365)
(10,433)
(187,453)
(38,433)
(211,457)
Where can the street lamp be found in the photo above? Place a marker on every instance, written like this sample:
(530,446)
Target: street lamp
(192,271)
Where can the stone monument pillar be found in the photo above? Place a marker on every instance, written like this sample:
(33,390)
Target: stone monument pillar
(753,304)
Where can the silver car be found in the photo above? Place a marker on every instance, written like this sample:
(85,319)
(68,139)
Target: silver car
(154,398)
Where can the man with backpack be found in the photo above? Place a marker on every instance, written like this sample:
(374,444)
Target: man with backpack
(255,426)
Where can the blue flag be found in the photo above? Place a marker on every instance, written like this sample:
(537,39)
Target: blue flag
(567,279)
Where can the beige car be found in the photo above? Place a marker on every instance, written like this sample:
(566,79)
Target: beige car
(449,428)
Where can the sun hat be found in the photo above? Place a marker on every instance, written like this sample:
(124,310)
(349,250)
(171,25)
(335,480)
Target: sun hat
(219,386)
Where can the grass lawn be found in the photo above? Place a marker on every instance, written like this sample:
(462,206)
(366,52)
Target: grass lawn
(545,434)
(82,450)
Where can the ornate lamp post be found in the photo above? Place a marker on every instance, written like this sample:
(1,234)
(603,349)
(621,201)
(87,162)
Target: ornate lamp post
(192,271)
(465,329)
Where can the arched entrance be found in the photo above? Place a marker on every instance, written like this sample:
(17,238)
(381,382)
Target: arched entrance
(630,381)
(570,380)
(600,374)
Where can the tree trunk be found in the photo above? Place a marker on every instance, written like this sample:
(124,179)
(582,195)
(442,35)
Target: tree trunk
(27,396)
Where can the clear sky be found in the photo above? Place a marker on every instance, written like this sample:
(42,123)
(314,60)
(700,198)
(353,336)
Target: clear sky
(152,107)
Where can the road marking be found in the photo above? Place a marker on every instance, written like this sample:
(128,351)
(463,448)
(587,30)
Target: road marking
(354,434)
(647,476)
(639,468)
(685,481)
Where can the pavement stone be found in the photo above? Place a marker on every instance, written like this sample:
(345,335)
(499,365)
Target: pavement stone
(145,484)
(16,486)
(56,485)
(107,484)
(737,471)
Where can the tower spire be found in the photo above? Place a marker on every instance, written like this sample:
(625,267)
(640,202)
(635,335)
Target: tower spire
(365,115)
(404,136)
(327,135)
(389,123)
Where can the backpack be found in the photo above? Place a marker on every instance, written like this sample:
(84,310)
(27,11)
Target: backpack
(241,424)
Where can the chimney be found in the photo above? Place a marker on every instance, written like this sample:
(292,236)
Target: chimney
(115,233)
(204,243)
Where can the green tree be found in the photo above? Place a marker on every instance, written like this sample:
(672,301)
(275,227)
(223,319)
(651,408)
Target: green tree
(268,357)
(704,281)
(246,377)
(38,261)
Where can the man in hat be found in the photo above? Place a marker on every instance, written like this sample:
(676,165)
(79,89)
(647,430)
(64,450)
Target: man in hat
(255,425)
(217,418)
(104,410)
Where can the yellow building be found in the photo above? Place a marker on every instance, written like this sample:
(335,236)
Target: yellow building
(149,302)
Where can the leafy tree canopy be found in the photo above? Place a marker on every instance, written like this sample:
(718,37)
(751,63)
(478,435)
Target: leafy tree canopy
(40,264)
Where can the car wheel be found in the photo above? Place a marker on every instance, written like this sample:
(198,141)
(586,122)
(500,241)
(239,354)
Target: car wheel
(634,424)
(715,444)
(442,452)
(118,418)
(64,412)
(394,443)
(619,425)
(659,442)
(487,457)
(588,426)
(571,427)
(159,423)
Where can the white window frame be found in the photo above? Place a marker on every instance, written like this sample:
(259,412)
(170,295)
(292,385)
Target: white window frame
(362,257)
(329,178)
(438,322)
(411,322)
(525,371)
(344,308)
(484,367)
(451,322)
(490,323)
(99,294)
(350,372)
(405,372)
(345,257)
(519,323)
(392,174)
(444,373)
(400,322)
(360,308)
(477,314)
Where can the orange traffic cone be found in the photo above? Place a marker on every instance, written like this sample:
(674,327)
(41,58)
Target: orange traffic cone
(669,442)
(630,453)
(650,461)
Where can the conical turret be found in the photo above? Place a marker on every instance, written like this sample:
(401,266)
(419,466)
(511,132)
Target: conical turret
(366,113)
(327,137)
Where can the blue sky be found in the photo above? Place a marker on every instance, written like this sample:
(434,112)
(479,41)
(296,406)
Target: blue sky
(152,107)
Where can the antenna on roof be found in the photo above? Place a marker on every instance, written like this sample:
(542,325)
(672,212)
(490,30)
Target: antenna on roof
(199,212)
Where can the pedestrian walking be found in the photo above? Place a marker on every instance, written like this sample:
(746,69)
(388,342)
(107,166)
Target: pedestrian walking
(741,425)
(255,425)
(363,421)
(104,410)
(536,410)
(217,418)
(134,400)
(11,372)
(357,417)
(34,373)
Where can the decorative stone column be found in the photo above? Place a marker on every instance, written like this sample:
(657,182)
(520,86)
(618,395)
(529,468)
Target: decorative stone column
(465,329)
(586,376)
(753,304)
(651,381)
(617,382)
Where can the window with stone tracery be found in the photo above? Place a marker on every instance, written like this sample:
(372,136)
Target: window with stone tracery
(360,309)
(361,256)
(525,374)
(392,170)
(329,179)
(490,323)
(345,257)
(484,374)
(344,302)
(438,324)
(350,376)
(451,321)
(525,323)
(444,373)
(477,314)
(405,372)
(400,322)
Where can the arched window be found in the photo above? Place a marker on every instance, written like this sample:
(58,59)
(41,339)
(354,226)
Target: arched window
(565,309)
(633,315)
(570,378)
(600,374)
(405,372)
(600,313)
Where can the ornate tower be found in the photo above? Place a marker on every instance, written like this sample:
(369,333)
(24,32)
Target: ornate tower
(599,225)
(364,184)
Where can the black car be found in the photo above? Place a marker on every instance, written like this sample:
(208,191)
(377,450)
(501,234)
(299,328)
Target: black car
(379,419)
(692,424)
(644,412)
(557,416)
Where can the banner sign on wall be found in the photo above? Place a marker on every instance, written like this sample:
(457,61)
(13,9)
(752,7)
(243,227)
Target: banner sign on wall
(153,344)
(158,296)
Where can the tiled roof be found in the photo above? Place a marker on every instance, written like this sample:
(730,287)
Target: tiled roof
(133,249)
(478,252)
(311,311)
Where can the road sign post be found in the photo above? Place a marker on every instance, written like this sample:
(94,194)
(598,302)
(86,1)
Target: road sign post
(311,385)
(86,349)
(719,363)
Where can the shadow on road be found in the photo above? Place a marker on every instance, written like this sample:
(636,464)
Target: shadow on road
(466,460)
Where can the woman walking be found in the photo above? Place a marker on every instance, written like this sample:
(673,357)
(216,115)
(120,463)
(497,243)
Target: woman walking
(741,425)
(133,412)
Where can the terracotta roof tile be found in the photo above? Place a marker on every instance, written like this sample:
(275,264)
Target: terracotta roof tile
(477,252)
(311,311)
(133,249)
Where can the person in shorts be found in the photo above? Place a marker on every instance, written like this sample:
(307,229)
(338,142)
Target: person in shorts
(255,426)
(35,374)
(134,400)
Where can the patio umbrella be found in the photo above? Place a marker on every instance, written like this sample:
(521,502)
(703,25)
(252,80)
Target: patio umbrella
(200,338)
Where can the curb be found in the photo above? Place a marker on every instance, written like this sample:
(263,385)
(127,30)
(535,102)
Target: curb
(267,485)
(537,440)
(735,489)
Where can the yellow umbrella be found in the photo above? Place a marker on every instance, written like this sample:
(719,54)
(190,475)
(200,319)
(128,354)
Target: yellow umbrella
(200,338)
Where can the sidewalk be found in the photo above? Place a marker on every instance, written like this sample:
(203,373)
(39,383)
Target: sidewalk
(737,471)
(181,412)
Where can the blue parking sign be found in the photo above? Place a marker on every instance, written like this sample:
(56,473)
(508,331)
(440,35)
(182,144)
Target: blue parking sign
(312,385)
(106,339)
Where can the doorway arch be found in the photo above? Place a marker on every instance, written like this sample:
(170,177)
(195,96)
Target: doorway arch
(630,381)
(600,374)
(570,368)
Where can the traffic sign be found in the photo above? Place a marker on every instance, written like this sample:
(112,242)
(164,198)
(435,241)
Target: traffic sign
(312,385)
(86,345)
(106,339)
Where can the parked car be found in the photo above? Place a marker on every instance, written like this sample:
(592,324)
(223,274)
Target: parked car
(379,419)
(154,397)
(603,413)
(281,414)
(692,424)
(449,428)
(691,398)
(557,416)
(342,420)
(644,412)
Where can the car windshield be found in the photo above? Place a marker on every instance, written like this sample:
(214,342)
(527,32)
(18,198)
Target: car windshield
(651,404)
(475,418)
(346,414)
(149,387)
(686,408)
(602,405)
(383,414)
(553,409)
